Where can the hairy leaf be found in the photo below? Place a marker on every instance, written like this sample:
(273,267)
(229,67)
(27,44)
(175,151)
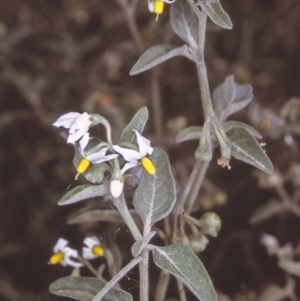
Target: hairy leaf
(228,125)
(182,262)
(216,13)
(139,245)
(266,211)
(184,22)
(156,55)
(137,123)
(85,289)
(246,148)
(189,133)
(230,97)
(156,194)
(83,192)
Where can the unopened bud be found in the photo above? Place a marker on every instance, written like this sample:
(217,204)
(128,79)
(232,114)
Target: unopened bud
(116,188)
(198,242)
(210,224)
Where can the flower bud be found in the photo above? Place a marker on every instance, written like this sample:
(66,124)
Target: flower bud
(210,224)
(198,242)
(116,187)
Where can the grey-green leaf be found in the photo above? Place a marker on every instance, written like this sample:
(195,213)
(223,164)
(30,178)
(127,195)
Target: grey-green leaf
(266,211)
(182,262)
(95,173)
(139,245)
(156,194)
(137,123)
(184,22)
(83,192)
(189,133)
(230,97)
(85,289)
(228,125)
(246,148)
(157,55)
(216,13)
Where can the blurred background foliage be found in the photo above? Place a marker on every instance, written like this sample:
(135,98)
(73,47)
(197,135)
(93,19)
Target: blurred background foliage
(71,55)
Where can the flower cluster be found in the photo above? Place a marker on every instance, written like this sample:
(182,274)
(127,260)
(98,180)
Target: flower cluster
(79,125)
(63,253)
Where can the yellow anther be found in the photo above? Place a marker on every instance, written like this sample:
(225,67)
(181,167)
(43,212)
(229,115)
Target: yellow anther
(97,250)
(148,165)
(56,258)
(83,166)
(158,7)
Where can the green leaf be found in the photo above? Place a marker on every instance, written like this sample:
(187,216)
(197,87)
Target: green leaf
(85,289)
(216,13)
(96,215)
(137,123)
(140,245)
(246,148)
(156,55)
(184,22)
(266,211)
(83,192)
(182,262)
(189,133)
(228,125)
(230,97)
(156,194)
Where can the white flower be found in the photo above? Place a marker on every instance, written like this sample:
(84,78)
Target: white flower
(157,6)
(78,124)
(134,157)
(62,254)
(92,249)
(270,242)
(95,158)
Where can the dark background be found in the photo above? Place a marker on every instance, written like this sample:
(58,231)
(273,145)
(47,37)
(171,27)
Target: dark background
(60,56)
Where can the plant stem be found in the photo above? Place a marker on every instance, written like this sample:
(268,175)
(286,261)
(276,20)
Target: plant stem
(144,276)
(109,285)
(121,205)
(181,290)
(162,286)
(91,268)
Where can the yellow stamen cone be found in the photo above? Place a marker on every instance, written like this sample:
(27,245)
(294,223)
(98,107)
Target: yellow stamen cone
(97,250)
(56,258)
(148,165)
(158,7)
(83,166)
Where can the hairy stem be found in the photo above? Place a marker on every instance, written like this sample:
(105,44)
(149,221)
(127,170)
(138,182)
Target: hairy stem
(144,276)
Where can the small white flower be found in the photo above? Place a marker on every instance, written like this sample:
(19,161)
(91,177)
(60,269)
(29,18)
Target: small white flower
(62,254)
(270,242)
(92,249)
(78,124)
(134,157)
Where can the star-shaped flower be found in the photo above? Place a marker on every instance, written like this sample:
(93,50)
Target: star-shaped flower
(95,158)
(134,157)
(92,249)
(63,253)
(78,125)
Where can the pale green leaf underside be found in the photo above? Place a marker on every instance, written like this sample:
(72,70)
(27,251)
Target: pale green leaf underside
(189,133)
(139,245)
(246,148)
(266,211)
(83,192)
(156,195)
(184,22)
(182,262)
(229,125)
(156,55)
(85,289)
(137,123)
(216,13)
(230,97)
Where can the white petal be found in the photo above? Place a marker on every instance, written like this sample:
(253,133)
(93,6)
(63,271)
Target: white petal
(69,252)
(60,245)
(72,263)
(66,120)
(144,144)
(76,136)
(151,5)
(129,155)
(87,253)
(81,123)
(106,158)
(91,241)
(84,142)
(97,155)
(128,166)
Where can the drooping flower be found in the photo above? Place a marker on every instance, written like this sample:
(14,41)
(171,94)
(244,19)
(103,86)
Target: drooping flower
(77,123)
(92,248)
(157,6)
(95,158)
(63,253)
(134,157)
